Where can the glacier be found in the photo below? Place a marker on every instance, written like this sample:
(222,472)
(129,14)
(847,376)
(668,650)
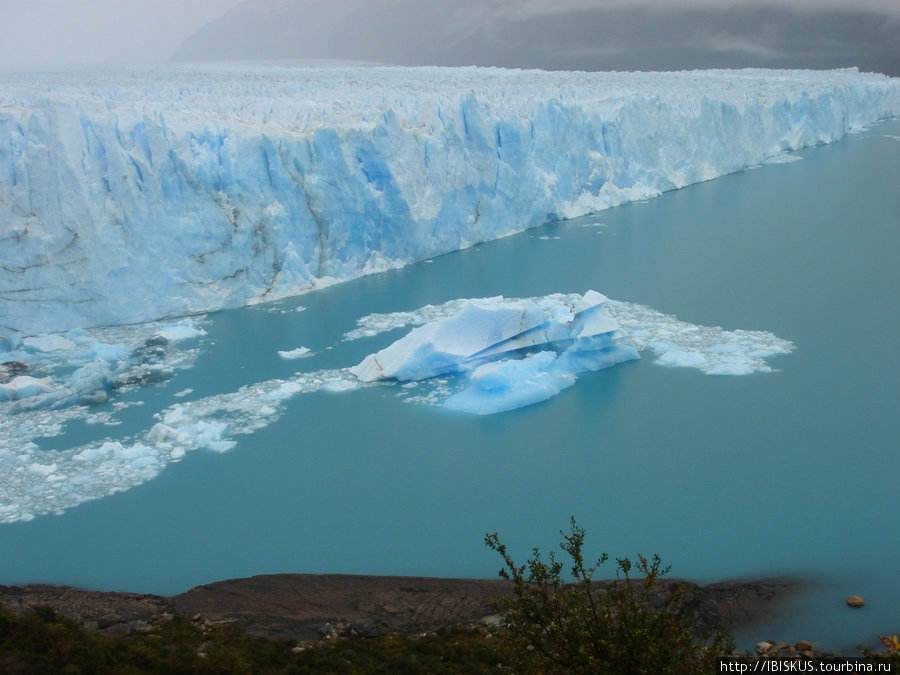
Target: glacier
(142,195)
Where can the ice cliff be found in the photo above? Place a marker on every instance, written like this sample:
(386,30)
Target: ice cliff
(141,195)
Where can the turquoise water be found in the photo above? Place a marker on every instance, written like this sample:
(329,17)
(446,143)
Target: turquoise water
(787,473)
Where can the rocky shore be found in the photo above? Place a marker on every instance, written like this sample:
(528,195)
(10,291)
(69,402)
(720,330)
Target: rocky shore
(306,607)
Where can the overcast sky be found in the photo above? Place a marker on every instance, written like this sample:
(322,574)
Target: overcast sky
(63,34)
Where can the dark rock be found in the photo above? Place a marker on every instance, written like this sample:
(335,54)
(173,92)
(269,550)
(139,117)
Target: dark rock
(369,628)
(118,628)
(491,620)
(89,608)
(95,397)
(108,620)
(296,606)
(156,341)
(11,369)
(147,377)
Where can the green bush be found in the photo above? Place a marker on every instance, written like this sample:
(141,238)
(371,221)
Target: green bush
(580,626)
(891,654)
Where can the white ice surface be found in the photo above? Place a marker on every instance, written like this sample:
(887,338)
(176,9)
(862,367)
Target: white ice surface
(24,386)
(298,353)
(127,197)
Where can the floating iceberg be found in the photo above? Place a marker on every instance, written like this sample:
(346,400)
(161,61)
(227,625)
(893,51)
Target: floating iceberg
(298,353)
(24,386)
(510,353)
(141,195)
(513,352)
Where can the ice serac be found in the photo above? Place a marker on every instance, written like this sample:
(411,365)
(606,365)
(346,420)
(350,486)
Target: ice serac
(510,353)
(149,194)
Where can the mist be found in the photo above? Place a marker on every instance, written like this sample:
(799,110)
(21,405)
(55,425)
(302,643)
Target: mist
(572,35)
(569,35)
(40,35)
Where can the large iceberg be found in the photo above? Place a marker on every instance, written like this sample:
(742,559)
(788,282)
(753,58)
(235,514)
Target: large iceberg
(514,353)
(128,197)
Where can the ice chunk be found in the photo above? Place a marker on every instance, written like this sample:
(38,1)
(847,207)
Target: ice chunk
(669,355)
(24,386)
(48,343)
(183,330)
(447,346)
(484,330)
(340,385)
(43,469)
(511,383)
(284,392)
(512,352)
(298,353)
(109,353)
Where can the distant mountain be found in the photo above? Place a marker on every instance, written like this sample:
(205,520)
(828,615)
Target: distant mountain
(561,36)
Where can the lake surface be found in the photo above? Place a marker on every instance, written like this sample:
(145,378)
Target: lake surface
(791,473)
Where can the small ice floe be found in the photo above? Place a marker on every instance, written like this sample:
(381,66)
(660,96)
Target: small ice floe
(298,353)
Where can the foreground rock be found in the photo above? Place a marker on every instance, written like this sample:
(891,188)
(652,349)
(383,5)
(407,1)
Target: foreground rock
(313,606)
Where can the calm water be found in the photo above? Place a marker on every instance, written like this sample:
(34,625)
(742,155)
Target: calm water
(788,473)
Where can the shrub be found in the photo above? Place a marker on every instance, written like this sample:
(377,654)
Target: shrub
(581,627)
(890,655)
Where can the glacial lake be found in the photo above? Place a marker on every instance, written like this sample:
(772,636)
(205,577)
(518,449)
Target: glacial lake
(791,473)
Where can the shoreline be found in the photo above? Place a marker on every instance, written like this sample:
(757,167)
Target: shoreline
(307,607)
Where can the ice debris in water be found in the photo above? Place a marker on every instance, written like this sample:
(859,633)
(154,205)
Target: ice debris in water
(83,367)
(32,486)
(711,349)
(475,355)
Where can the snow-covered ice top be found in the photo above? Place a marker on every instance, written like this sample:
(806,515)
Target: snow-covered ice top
(156,193)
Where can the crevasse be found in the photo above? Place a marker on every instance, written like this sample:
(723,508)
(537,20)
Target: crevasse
(141,195)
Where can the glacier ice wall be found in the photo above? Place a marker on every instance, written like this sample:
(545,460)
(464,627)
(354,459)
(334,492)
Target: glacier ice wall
(136,196)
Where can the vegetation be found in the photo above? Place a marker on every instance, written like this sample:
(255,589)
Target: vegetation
(891,654)
(44,642)
(579,627)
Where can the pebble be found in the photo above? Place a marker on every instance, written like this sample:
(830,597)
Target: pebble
(855,601)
